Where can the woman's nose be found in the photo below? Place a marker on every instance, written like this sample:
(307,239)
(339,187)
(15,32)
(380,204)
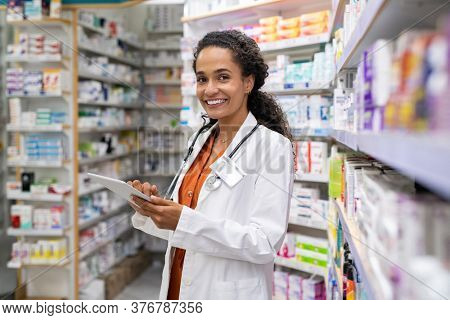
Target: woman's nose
(211,88)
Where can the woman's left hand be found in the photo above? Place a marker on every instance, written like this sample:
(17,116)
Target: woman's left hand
(164,213)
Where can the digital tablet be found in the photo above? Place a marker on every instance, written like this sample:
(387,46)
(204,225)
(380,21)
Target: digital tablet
(121,188)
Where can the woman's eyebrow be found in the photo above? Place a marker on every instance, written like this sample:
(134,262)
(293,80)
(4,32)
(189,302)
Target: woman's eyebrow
(222,70)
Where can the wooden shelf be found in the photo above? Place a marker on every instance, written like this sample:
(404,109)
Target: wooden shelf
(41,22)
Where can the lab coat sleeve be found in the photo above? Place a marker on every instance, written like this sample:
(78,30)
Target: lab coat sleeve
(146,225)
(260,239)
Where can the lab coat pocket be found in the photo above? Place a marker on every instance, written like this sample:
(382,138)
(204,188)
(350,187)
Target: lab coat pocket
(247,289)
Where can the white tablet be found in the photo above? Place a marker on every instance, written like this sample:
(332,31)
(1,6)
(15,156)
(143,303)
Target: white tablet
(119,187)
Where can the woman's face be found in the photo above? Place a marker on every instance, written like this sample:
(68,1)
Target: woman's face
(221,88)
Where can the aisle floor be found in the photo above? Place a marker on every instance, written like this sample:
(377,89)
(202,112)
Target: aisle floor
(144,287)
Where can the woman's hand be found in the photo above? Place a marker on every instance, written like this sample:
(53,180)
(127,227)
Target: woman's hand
(145,188)
(164,213)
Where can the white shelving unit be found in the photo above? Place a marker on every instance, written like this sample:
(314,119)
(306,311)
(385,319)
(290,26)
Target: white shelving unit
(162,118)
(64,171)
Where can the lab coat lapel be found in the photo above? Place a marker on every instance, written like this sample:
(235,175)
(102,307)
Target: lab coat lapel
(197,147)
(249,123)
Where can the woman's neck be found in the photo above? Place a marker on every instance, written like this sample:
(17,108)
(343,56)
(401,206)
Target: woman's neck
(228,127)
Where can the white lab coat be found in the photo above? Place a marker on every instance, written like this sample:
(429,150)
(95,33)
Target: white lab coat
(233,235)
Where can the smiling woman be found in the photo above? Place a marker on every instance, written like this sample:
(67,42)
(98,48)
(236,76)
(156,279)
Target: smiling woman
(230,201)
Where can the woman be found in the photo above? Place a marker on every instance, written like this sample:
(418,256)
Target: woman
(223,234)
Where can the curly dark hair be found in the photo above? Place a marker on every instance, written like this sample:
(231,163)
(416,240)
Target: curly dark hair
(247,54)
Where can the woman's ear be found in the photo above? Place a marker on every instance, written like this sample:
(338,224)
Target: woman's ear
(249,82)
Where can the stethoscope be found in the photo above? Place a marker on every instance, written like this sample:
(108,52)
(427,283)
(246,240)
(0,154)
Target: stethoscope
(214,181)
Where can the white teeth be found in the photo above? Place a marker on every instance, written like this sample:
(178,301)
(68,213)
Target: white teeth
(210,102)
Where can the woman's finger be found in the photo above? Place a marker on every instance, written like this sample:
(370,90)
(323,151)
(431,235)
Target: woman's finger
(144,204)
(137,185)
(147,189)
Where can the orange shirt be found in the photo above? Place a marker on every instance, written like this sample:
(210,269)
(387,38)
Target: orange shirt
(188,196)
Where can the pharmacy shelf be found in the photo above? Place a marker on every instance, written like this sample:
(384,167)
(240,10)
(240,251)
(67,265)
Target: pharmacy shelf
(359,253)
(423,157)
(60,264)
(84,255)
(36,58)
(303,89)
(37,128)
(337,15)
(305,222)
(94,221)
(292,263)
(131,43)
(49,197)
(37,164)
(346,138)
(90,48)
(163,83)
(107,79)
(163,151)
(383,19)
(300,134)
(283,45)
(165,32)
(92,28)
(162,106)
(106,129)
(251,8)
(151,47)
(14,232)
(109,157)
(47,22)
(125,105)
(164,65)
(43,96)
(309,177)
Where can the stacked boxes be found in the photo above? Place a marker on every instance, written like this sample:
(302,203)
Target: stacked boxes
(275,28)
(39,252)
(42,116)
(28,217)
(305,203)
(314,23)
(312,157)
(290,286)
(48,81)
(311,250)
(41,147)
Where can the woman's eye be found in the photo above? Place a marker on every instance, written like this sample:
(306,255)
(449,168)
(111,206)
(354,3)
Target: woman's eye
(223,77)
(201,80)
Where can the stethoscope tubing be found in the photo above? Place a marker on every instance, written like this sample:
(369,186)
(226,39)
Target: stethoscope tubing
(172,185)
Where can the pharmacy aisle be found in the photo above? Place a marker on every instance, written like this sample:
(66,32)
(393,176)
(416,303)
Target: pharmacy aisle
(364,86)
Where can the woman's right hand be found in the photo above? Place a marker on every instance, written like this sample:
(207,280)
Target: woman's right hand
(147,189)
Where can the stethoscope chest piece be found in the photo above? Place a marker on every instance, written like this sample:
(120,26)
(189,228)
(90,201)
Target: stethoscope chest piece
(213,182)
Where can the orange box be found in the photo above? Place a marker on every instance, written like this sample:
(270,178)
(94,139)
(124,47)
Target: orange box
(289,23)
(289,33)
(268,37)
(317,28)
(314,18)
(268,29)
(269,21)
